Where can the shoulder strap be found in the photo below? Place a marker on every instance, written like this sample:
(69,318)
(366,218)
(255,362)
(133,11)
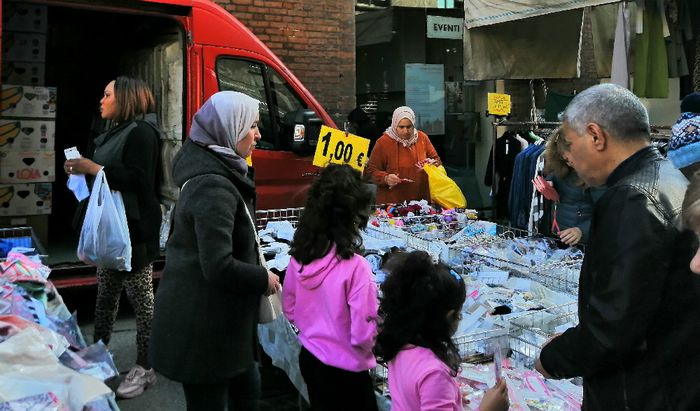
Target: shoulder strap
(261,256)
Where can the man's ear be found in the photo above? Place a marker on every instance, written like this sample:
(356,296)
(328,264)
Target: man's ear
(598,136)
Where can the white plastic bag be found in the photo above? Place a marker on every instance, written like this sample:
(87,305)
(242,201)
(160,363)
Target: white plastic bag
(104,239)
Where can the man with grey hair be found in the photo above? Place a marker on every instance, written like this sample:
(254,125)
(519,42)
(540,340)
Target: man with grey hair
(639,316)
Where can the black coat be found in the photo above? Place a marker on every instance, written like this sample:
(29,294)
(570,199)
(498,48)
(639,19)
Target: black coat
(206,309)
(134,171)
(636,343)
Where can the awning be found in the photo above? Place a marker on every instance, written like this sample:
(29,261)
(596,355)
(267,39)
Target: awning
(480,13)
(542,47)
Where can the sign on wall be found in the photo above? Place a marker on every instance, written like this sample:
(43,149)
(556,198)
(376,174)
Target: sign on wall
(425,94)
(445,27)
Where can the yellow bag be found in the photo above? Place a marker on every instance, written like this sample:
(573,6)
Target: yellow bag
(443,190)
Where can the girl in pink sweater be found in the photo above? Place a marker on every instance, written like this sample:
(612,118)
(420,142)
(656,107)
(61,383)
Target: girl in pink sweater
(421,306)
(330,296)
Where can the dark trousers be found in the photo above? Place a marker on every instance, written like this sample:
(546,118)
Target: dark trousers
(241,393)
(334,389)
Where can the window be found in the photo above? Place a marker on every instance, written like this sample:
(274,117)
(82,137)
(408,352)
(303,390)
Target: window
(278,98)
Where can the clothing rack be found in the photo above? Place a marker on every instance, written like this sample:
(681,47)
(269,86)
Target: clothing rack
(534,125)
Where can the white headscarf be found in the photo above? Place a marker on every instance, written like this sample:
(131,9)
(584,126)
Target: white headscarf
(222,122)
(400,114)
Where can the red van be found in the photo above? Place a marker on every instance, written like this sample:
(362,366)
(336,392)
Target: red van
(186,50)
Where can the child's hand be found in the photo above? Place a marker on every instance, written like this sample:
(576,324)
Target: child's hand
(496,398)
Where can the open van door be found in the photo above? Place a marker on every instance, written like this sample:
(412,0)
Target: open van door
(282,171)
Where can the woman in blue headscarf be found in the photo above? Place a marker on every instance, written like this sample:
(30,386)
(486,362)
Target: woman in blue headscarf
(207,304)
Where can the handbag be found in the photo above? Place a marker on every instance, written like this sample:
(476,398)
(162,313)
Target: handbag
(270,305)
(104,237)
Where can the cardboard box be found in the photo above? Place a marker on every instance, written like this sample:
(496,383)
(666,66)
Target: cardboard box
(18,46)
(27,167)
(24,74)
(26,101)
(25,199)
(24,17)
(27,135)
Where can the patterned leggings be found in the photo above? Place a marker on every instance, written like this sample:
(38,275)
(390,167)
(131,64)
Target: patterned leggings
(139,290)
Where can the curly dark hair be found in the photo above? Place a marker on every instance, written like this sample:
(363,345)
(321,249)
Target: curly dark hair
(417,297)
(337,208)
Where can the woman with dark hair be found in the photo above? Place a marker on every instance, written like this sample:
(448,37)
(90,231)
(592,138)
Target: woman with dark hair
(329,294)
(421,306)
(129,153)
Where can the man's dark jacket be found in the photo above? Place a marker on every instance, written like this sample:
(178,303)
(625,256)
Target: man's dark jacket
(637,341)
(207,305)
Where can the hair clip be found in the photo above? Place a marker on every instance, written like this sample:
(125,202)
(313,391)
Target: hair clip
(455,275)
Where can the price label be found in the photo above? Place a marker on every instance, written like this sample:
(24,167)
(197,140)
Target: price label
(334,147)
(499,104)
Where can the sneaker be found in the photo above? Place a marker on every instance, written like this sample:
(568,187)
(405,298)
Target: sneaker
(136,382)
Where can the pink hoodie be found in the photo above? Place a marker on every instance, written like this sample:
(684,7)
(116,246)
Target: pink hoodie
(334,304)
(419,380)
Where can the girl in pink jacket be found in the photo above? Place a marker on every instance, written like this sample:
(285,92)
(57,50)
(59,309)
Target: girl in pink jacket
(329,293)
(421,305)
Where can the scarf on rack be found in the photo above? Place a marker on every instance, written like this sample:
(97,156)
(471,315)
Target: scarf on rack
(400,114)
(222,122)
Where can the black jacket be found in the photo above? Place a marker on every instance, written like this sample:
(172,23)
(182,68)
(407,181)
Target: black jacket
(206,309)
(130,155)
(636,343)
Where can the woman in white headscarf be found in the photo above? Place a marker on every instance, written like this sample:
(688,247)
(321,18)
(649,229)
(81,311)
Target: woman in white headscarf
(207,304)
(396,162)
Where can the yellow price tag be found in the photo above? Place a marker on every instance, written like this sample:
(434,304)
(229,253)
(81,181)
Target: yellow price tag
(334,147)
(499,104)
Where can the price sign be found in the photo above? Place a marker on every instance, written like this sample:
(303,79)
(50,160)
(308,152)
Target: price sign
(334,147)
(499,104)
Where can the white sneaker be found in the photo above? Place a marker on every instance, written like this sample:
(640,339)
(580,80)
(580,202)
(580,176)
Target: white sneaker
(136,382)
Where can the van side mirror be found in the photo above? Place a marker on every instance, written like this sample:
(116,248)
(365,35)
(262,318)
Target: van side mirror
(303,128)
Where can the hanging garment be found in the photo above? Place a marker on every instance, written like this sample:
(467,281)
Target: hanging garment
(650,57)
(620,59)
(507,148)
(521,187)
(603,23)
(555,104)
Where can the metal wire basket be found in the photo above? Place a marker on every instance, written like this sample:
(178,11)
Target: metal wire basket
(529,332)
(262,217)
(24,237)
(561,275)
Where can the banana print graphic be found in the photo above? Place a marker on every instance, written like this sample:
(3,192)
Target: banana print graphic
(10,96)
(8,132)
(6,194)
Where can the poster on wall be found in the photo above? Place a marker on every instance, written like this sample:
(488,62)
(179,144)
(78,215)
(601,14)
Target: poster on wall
(425,94)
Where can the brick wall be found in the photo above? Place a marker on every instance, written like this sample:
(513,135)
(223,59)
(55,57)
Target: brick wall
(314,38)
